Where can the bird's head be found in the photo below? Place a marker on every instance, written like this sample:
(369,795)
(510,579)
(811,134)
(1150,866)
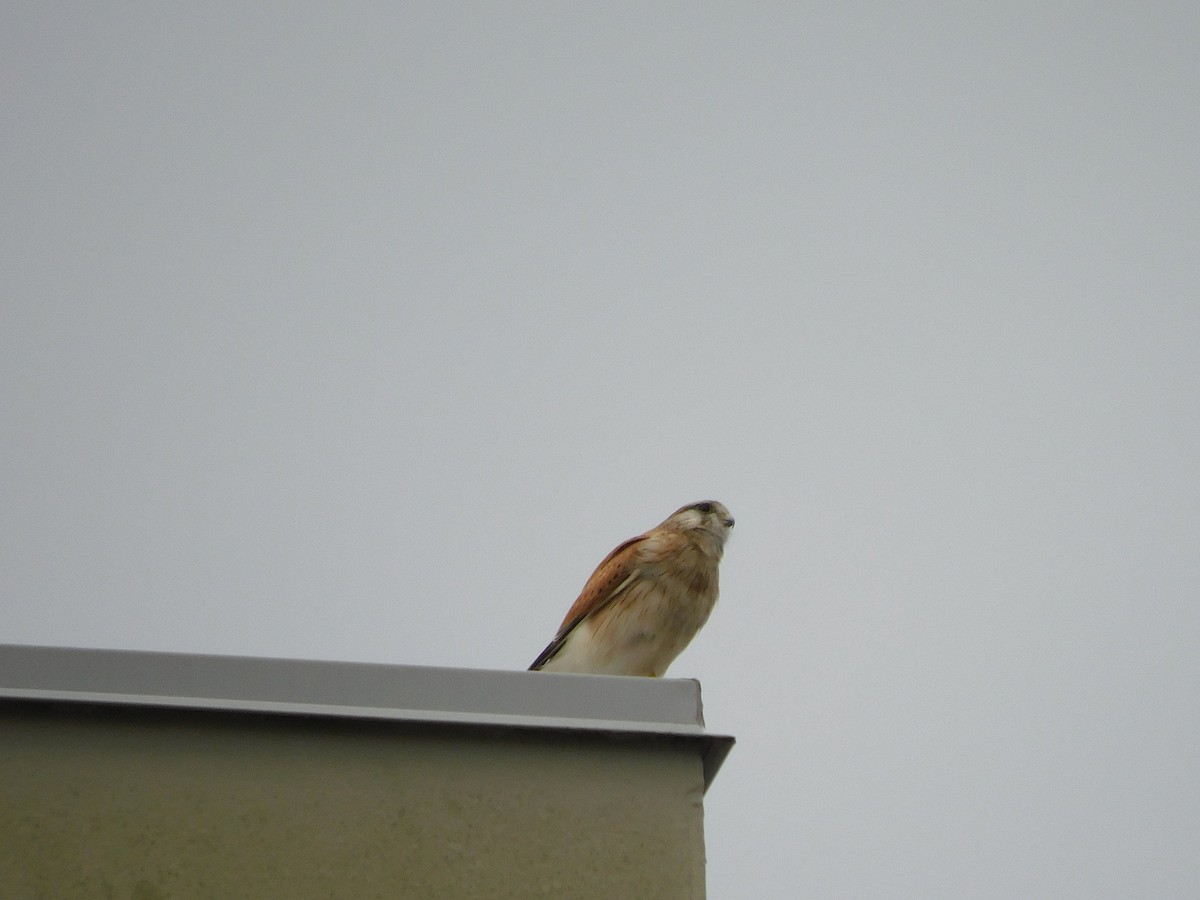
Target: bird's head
(707,516)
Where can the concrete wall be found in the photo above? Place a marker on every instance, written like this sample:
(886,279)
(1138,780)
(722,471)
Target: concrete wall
(128,802)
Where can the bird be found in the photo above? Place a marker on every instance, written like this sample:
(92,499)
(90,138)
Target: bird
(646,600)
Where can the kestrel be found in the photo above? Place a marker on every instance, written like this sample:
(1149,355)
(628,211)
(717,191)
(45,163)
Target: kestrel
(646,600)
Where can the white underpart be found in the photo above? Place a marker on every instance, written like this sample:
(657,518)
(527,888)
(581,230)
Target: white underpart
(580,653)
(641,642)
(621,653)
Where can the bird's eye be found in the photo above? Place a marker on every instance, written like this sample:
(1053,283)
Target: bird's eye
(705,508)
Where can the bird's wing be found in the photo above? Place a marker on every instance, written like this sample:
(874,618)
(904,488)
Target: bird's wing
(614,574)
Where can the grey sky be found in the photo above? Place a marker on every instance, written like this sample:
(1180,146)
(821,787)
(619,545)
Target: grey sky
(363,333)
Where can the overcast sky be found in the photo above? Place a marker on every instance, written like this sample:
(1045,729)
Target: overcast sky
(363,332)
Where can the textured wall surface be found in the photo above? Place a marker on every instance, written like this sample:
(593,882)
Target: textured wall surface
(146,804)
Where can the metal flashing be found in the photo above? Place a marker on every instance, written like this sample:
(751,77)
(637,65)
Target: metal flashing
(466,698)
